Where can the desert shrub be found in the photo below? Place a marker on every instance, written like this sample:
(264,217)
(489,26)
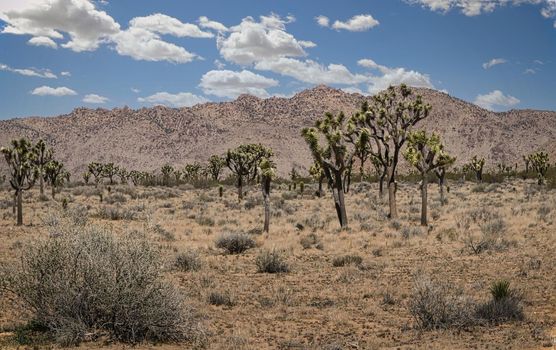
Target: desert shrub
(311,240)
(221,298)
(289,195)
(235,243)
(188,261)
(543,212)
(437,306)
(504,305)
(204,220)
(395,224)
(115,198)
(347,260)
(90,282)
(158,230)
(408,232)
(271,261)
(116,212)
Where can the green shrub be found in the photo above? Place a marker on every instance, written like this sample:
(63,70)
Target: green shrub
(271,261)
(504,305)
(235,243)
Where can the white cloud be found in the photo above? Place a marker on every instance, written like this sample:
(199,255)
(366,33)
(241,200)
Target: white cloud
(182,99)
(42,41)
(323,21)
(219,64)
(226,83)
(357,23)
(142,44)
(477,7)
(529,71)
(86,26)
(95,99)
(50,91)
(135,90)
(252,41)
(495,98)
(309,71)
(163,24)
(204,22)
(65,74)
(29,72)
(393,76)
(494,62)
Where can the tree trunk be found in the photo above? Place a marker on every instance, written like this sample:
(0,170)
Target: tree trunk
(480,176)
(14,206)
(381,184)
(319,193)
(240,188)
(53,191)
(338,193)
(19,208)
(266,199)
(424,185)
(392,189)
(41,183)
(441,185)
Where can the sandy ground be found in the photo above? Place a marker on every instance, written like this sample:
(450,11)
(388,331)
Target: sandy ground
(317,305)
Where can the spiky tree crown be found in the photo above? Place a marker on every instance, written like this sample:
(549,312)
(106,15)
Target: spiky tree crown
(21,159)
(426,153)
(477,164)
(244,160)
(267,168)
(540,162)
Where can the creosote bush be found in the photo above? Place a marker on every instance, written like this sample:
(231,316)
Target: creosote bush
(188,261)
(271,261)
(235,243)
(88,282)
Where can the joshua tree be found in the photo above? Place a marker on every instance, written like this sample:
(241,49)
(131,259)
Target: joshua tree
(317,174)
(167,172)
(477,166)
(86,177)
(43,155)
(21,161)
(334,156)
(540,163)
(96,169)
(243,162)
(123,175)
(362,153)
(215,166)
(294,175)
(55,175)
(192,172)
(440,173)
(388,121)
(426,153)
(177,176)
(381,169)
(109,170)
(136,177)
(267,172)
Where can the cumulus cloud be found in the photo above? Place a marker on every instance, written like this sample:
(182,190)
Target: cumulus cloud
(323,21)
(494,99)
(253,41)
(163,24)
(226,83)
(50,91)
(29,72)
(359,23)
(477,7)
(42,41)
(204,22)
(494,62)
(309,71)
(393,76)
(181,99)
(65,74)
(86,25)
(95,99)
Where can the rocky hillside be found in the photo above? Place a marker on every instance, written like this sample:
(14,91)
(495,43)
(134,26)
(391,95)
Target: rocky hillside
(148,138)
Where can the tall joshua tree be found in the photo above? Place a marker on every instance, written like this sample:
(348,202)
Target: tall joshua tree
(55,175)
(477,165)
(123,175)
(167,173)
(244,160)
(334,156)
(23,172)
(388,121)
(317,174)
(192,172)
(267,172)
(43,155)
(96,169)
(381,168)
(215,166)
(109,170)
(426,153)
(540,163)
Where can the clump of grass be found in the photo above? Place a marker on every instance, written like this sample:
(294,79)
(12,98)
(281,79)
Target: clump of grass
(115,198)
(235,243)
(504,305)
(221,299)
(271,261)
(311,240)
(347,260)
(188,261)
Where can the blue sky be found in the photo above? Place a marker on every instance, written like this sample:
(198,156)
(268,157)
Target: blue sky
(56,55)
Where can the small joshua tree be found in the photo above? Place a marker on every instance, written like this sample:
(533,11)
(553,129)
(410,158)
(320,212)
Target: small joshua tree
(381,169)
(21,161)
(527,162)
(267,172)
(388,121)
(136,177)
(96,169)
(294,175)
(167,173)
(55,175)
(192,172)
(215,166)
(86,177)
(334,156)
(43,155)
(109,170)
(123,175)
(317,174)
(540,163)
(243,162)
(426,153)
(177,176)
(477,166)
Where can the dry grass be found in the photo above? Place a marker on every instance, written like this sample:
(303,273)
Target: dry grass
(362,303)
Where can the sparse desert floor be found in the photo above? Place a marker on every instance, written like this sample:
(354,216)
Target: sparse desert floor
(317,305)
